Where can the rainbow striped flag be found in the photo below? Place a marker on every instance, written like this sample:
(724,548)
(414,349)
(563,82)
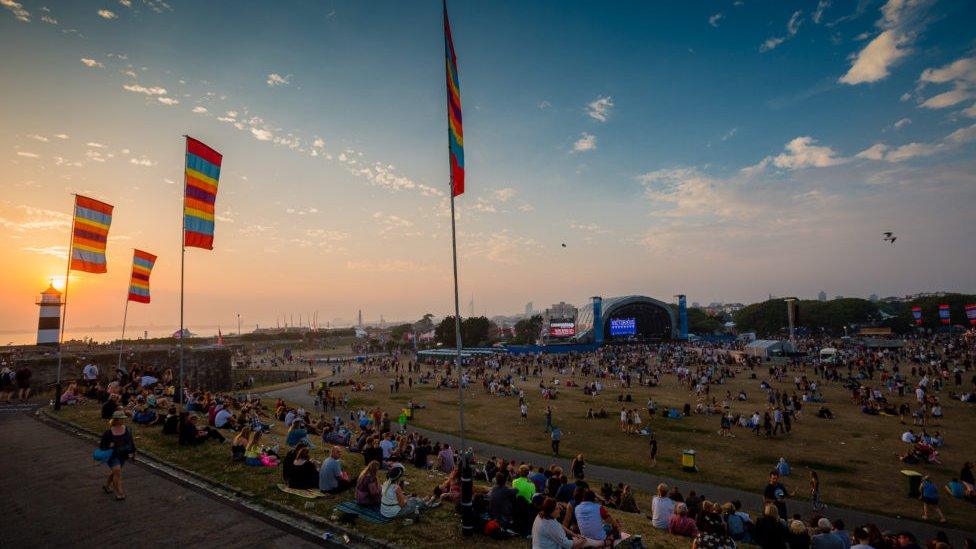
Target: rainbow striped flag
(455,133)
(142,264)
(89,234)
(202,174)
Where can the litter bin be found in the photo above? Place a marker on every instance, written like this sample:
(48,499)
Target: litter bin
(688,461)
(914,482)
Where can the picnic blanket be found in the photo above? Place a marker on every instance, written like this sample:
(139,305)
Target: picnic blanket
(369,514)
(310,493)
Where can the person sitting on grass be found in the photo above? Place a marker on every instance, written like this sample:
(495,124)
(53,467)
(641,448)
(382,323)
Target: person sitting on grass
(680,524)
(368,487)
(240,444)
(252,452)
(304,473)
(331,478)
(110,406)
(824,538)
(288,464)
(192,434)
(662,507)
(501,502)
(71,395)
(394,503)
(547,533)
(522,484)
(297,433)
(594,521)
(770,532)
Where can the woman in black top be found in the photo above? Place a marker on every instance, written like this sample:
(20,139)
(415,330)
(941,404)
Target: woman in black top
(770,532)
(304,474)
(117,438)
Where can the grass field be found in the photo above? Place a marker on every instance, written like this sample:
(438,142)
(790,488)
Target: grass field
(854,454)
(438,528)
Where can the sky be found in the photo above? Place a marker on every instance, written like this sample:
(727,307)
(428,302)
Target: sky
(727,150)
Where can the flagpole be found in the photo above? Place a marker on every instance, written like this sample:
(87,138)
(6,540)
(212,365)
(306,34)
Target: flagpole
(457,327)
(125,316)
(64,314)
(182,269)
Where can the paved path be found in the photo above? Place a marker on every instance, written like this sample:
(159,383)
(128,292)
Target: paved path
(51,498)
(648,482)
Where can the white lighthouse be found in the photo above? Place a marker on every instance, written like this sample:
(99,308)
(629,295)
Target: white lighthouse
(49,321)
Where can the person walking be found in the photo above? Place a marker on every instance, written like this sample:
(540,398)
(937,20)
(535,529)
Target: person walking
(652,443)
(555,436)
(118,439)
(930,498)
(548,418)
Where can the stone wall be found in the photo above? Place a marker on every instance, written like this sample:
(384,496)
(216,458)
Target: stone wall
(269,375)
(204,368)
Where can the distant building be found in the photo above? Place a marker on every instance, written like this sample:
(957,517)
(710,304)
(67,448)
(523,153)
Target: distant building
(561,310)
(822,296)
(528,309)
(838,297)
(873,298)
(695,305)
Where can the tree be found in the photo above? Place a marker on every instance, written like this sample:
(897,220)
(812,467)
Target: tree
(397,332)
(770,318)
(700,323)
(425,324)
(527,330)
(474,332)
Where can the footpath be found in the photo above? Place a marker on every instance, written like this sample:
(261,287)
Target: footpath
(647,482)
(52,497)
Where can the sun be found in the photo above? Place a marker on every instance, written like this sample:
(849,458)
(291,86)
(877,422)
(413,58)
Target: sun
(57,281)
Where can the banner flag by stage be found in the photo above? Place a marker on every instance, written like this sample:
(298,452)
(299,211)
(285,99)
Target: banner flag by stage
(455,134)
(917,315)
(89,235)
(200,194)
(944,313)
(971,314)
(142,265)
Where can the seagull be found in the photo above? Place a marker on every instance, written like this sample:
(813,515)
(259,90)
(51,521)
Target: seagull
(564,244)
(890,237)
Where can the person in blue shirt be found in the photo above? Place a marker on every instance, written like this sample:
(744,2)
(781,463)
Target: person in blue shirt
(930,498)
(955,489)
(297,433)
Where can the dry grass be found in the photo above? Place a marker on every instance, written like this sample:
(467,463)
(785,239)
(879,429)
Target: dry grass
(854,454)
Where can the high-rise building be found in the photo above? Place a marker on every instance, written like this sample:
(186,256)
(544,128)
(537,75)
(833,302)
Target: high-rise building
(360,318)
(822,296)
(528,309)
(561,310)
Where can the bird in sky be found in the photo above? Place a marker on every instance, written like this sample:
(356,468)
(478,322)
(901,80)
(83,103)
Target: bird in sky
(564,244)
(890,237)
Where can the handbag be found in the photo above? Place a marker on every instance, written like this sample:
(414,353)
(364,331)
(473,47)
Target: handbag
(102,455)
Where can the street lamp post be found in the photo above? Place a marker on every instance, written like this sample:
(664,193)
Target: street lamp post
(238,324)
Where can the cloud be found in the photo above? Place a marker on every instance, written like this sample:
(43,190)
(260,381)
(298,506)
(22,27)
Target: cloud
(199,110)
(391,223)
(96,145)
(599,109)
(544,105)
(261,134)
(792,27)
(275,79)
(900,24)
(822,6)
(142,161)
(586,142)
(714,19)
(902,123)
(61,136)
(91,63)
(880,151)
(126,3)
(971,111)
(960,73)
(168,100)
(505,194)
(40,138)
(801,152)
(591,228)
(688,193)
(391,266)
(54,251)
(318,143)
(17,9)
(730,134)
(107,14)
(502,246)
(26,154)
(526,207)
(137,88)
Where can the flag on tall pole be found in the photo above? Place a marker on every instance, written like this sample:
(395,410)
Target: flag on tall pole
(142,265)
(944,316)
(89,235)
(917,315)
(455,146)
(200,178)
(455,132)
(86,253)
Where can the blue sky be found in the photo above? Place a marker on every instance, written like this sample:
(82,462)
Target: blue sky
(726,150)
